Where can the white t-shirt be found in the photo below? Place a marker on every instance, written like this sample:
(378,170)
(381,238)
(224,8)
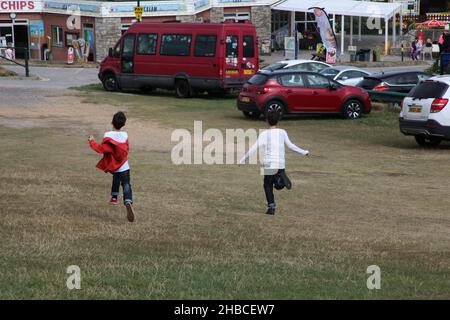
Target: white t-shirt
(121,137)
(273,141)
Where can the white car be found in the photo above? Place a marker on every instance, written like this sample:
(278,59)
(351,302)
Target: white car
(298,65)
(346,75)
(426,112)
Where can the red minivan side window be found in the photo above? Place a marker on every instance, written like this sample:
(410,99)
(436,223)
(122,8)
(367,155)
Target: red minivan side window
(205,46)
(147,44)
(176,45)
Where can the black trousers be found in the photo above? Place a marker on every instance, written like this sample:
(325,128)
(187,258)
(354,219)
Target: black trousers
(122,178)
(271,180)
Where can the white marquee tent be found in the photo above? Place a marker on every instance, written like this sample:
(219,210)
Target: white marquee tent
(350,8)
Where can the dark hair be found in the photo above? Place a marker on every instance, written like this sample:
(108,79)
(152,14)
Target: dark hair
(119,120)
(273,116)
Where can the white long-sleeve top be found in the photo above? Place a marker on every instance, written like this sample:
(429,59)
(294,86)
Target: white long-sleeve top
(273,141)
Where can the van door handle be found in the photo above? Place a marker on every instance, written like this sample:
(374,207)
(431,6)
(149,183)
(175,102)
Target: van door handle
(214,65)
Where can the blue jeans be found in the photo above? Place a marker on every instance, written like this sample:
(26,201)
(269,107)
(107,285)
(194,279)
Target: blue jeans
(122,178)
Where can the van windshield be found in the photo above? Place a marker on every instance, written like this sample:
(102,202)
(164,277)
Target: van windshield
(428,90)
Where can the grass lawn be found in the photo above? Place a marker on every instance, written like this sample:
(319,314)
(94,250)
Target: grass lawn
(367,196)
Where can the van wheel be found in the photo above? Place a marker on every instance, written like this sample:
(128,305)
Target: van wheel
(252,115)
(275,105)
(182,89)
(430,142)
(110,82)
(352,109)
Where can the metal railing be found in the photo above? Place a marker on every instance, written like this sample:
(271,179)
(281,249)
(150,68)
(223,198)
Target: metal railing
(26,58)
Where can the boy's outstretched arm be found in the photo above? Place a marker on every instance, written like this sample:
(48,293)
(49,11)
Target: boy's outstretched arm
(293,147)
(99,148)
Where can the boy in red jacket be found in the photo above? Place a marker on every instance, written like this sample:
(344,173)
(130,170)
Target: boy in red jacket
(114,148)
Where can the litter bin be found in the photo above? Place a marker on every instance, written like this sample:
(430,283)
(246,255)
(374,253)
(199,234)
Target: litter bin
(363,55)
(366,53)
(352,52)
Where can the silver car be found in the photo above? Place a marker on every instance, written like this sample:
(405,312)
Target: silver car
(346,75)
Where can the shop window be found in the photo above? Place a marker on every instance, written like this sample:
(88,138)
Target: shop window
(236,16)
(57,36)
(70,37)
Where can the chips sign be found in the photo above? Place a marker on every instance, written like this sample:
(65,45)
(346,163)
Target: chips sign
(138,11)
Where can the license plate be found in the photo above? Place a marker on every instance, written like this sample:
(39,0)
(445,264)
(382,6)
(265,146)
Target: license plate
(231,71)
(415,109)
(245,99)
(247,72)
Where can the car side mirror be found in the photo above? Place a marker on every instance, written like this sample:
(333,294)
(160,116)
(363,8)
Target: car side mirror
(333,87)
(110,52)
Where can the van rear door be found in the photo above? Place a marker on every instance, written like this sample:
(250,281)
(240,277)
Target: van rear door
(233,56)
(249,63)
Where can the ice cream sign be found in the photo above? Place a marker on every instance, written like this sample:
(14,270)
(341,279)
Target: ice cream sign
(20,6)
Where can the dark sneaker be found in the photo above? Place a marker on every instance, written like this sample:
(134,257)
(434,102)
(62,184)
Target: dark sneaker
(270,211)
(113,201)
(130,213)
(287,183)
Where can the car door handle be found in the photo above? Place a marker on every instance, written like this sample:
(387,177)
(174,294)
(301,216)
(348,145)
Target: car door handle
(315,93)
(288,91)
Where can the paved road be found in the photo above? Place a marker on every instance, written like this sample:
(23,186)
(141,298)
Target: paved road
(55,80)
(51,77)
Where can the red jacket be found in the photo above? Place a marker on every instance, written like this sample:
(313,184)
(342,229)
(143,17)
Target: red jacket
(115,154)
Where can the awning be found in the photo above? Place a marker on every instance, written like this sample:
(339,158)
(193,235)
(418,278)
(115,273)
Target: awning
(343,7)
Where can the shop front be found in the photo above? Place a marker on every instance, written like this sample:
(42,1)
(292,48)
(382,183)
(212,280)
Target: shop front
(18,21)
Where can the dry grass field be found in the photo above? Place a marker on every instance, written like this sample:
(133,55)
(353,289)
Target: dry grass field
(367,196)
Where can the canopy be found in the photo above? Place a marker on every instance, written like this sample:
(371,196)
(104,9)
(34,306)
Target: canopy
(349,8)
(431,24)
(343,7)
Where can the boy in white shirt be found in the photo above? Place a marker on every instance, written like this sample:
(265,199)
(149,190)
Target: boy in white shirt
(273,141)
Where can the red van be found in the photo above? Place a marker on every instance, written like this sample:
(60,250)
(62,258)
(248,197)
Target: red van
(187,57)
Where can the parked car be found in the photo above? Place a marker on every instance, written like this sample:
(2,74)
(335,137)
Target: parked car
(187,57)
(346,75)
(425,112)
(298,65)
(396,81)
(301,92)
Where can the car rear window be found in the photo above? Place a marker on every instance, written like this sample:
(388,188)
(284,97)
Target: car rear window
(329,73)
(275,66)
(258,79)
(369,83)
(429,89)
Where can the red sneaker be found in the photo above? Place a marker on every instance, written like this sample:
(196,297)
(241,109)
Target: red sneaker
(114,201)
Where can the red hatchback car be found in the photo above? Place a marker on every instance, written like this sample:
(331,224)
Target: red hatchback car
(301,92)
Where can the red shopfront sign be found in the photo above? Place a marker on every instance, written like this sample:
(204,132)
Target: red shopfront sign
(20,6)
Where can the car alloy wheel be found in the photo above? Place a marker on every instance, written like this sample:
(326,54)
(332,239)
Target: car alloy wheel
(353,109)
(275,106)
